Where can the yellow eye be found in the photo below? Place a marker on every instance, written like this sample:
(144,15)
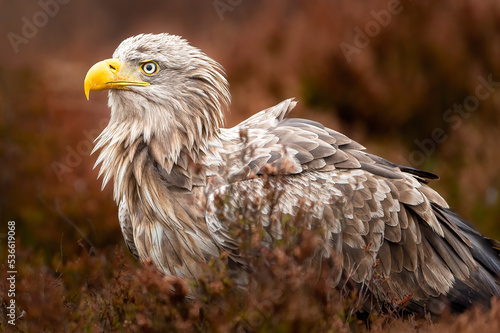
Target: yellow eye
(149,68)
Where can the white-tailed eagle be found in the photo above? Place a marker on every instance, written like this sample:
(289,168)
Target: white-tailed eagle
(180,179)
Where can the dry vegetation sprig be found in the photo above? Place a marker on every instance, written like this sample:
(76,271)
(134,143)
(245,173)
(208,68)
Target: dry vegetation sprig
(108,292)
(424,61)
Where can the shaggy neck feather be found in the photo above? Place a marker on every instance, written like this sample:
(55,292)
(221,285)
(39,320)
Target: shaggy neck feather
(172,145)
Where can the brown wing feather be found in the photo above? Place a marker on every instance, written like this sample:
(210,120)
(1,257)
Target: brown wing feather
(388,220)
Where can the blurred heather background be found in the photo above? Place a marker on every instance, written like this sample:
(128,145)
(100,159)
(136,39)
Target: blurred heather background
(417,82)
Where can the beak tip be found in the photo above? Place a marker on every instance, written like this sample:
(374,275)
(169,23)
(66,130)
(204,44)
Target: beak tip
(87,91)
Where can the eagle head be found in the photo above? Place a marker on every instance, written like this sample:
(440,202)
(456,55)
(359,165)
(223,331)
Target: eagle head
(160,83)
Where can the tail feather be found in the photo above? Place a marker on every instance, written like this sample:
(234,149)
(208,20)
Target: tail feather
(484,281)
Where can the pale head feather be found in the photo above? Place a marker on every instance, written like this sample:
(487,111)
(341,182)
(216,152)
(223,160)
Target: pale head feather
(181,110)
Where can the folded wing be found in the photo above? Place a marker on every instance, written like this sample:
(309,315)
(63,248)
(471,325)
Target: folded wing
(393,233)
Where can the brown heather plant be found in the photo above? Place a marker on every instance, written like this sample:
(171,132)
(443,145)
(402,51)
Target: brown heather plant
(393,92)
(106,292)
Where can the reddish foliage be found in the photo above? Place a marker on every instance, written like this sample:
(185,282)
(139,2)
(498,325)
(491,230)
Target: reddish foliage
(73,271)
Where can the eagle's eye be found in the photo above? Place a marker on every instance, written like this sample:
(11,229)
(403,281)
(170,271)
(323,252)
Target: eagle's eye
(149,68)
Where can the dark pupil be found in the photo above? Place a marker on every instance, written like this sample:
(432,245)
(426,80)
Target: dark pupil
(149,68)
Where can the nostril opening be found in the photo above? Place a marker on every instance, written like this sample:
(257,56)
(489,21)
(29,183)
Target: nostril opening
(113,68)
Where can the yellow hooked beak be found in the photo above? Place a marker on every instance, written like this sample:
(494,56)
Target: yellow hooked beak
(107,74)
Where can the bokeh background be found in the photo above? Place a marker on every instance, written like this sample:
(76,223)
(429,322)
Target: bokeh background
(386,73)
